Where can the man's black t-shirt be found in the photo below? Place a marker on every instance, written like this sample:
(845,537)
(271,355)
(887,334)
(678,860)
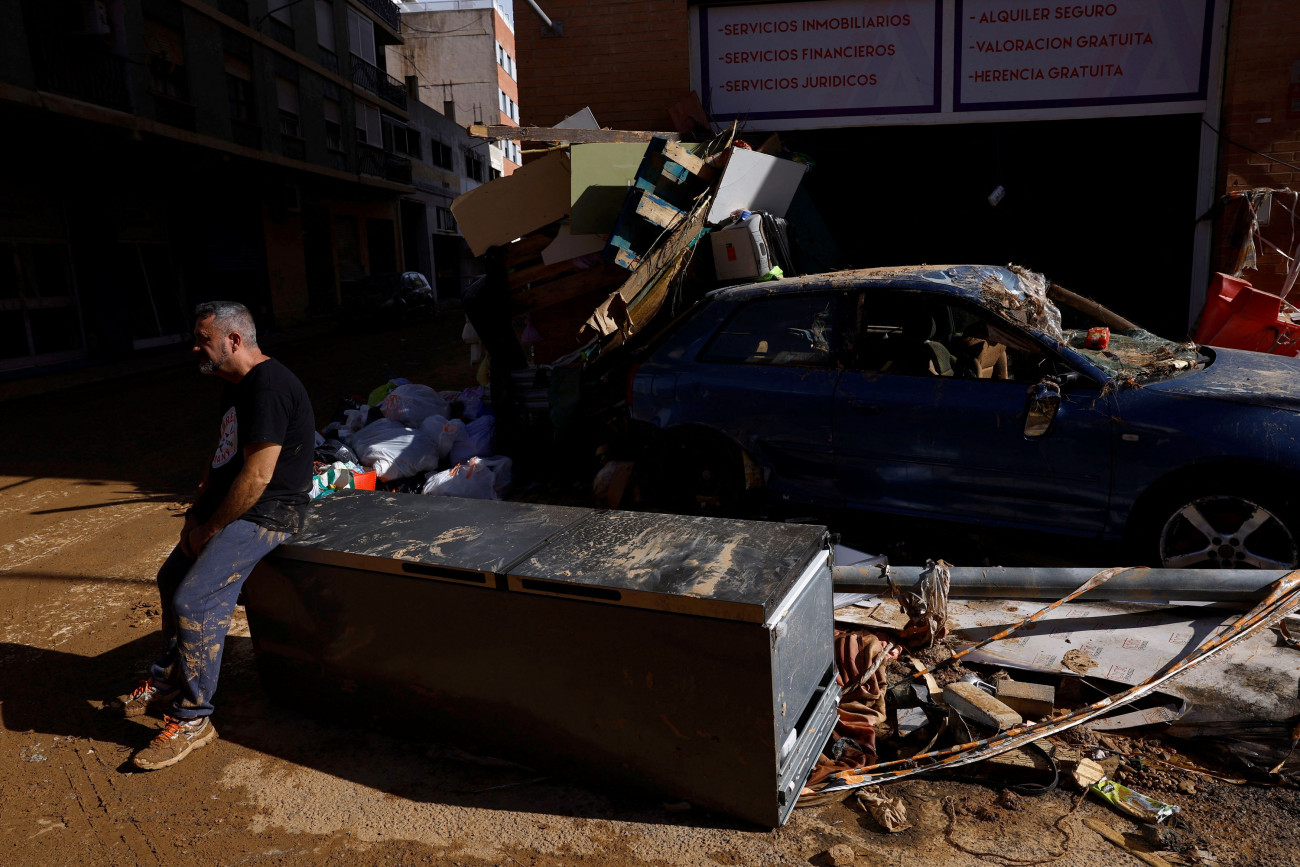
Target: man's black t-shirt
(269,405)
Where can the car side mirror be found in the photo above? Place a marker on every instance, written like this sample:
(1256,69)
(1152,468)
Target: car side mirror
(1041,408)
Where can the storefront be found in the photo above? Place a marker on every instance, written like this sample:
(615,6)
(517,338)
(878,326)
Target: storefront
(1075,139)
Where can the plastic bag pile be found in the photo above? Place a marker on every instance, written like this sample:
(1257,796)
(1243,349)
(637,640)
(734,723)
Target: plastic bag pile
(410,430)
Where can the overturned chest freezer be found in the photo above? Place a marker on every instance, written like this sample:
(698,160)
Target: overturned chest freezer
(691,658)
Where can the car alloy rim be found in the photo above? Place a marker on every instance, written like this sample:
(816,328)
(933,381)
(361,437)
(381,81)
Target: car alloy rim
(1226,533)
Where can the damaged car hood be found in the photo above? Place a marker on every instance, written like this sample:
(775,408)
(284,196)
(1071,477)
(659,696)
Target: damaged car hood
(1238,376)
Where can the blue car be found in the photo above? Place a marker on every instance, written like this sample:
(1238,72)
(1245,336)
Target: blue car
(978,394)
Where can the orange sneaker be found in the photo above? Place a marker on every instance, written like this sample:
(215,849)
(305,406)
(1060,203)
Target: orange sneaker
(178,738)
(147,696)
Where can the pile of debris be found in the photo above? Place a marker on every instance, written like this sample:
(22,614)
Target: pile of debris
(964,668)
(590,248)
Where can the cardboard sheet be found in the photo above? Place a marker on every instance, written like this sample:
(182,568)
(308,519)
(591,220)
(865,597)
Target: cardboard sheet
(568,246)
(534,196)
(602,175)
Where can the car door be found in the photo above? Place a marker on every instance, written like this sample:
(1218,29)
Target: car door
(766,378)
(912,439)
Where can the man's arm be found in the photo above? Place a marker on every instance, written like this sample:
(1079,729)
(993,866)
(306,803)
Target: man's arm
(259,464)
(190,521)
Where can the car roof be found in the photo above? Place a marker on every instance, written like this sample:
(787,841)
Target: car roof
(964,280)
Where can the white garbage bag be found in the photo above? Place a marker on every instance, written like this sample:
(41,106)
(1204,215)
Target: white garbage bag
(477,442)
(445,432)
(394,450)
(472,479)
(411,404)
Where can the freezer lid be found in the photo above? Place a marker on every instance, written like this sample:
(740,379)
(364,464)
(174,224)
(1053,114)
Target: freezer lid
(431,537)
(713,567)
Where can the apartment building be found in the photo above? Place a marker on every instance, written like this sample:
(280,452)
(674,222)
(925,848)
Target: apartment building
(463,53)
(182,150)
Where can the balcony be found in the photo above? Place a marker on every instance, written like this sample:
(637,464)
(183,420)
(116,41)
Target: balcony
(386,12)
(173,112)
(236,9)
(293,147)
(372,78)
(337,160)
(329,60)
(373,161)
(93,76)
(280,32)
(244,133)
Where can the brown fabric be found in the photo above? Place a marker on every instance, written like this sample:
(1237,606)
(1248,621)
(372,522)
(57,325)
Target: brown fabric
(862,703)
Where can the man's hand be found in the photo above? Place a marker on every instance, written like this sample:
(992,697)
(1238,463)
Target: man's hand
(197,539)
(190,523)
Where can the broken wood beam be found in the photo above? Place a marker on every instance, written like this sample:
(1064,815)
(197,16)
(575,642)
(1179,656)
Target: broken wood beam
(550,133)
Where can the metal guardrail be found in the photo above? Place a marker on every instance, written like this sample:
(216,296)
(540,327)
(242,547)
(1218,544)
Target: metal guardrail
(387,12)
(245,133)
(173,112)
(370,160)
(281,32)
(329,60)
(383,164)
(397,168)
(378,82)
(293,147)
(94,76)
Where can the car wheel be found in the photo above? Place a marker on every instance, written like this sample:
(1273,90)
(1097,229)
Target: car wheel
(1228,531)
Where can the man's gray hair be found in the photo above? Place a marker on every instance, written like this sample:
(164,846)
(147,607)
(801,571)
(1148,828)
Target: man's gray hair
(229,316)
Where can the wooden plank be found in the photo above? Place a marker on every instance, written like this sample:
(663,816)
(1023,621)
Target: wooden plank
(657,211)
(558,291)
(539,273)
(687,160)
(547,133)
(625,258)
(526,249)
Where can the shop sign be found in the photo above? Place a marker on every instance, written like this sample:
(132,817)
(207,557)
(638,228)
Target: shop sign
(1011,55)
(825,59)
(804,64)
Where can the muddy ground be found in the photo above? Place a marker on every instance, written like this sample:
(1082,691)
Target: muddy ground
(92,480)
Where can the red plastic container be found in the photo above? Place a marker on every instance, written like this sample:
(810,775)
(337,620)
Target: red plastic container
(1239,316)
(364,481)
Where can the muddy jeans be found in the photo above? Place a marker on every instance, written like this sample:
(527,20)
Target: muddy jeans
(198,601)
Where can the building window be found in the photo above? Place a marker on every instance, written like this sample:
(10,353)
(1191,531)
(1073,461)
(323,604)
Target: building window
(166,60)
(473,166)
(333,125)
(505,61)
(400,138)
(508,106)
(280,11)
(369,130)
(446,222)
(440,154)
(325,24)
(287,97)
(240,94)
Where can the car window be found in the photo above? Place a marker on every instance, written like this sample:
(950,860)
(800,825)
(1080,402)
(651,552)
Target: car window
(913,334)
(1127,351)
(795,330)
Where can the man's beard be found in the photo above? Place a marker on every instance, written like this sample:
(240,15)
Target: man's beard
(213,365)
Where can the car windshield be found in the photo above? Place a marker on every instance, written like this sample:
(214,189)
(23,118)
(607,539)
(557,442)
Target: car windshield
(1124,350)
